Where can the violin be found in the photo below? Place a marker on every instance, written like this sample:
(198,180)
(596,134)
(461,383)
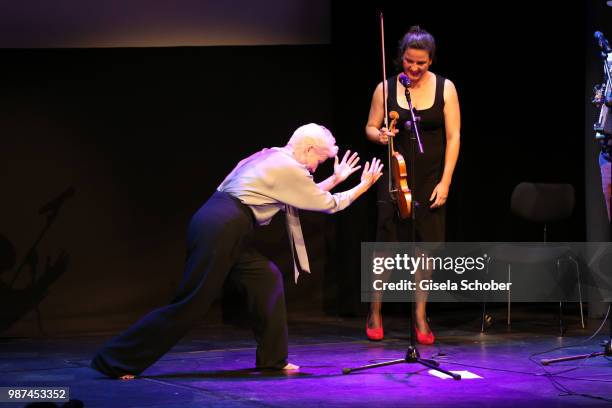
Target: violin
(399,175)
(398,179)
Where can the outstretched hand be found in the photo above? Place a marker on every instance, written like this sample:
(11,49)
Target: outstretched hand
(346,167)
(371,173)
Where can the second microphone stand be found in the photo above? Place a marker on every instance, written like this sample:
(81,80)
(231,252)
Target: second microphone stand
(607,62)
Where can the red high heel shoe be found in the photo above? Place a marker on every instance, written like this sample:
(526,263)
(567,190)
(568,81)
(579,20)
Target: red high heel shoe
(423,338)
(375,334)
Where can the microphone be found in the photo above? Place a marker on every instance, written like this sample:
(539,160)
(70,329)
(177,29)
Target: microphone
(603,43)
(55,204)
(404,80)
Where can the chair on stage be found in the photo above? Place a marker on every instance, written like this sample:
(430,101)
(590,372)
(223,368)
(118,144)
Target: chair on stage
(543,204)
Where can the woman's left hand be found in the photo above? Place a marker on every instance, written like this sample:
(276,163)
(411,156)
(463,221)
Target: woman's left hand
(439,195)
(346,167)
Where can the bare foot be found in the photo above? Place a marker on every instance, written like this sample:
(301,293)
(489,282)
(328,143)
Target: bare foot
(127,377)
(290,366)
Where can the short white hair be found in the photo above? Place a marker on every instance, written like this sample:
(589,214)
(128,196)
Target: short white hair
(314,135)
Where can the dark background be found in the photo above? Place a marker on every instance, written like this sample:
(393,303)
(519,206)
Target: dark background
(146,134)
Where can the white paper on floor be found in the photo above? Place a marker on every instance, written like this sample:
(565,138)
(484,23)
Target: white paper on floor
(465,375)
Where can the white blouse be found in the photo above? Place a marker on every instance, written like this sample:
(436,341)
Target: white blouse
(272,180)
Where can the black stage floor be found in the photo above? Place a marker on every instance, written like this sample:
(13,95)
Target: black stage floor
(213,366)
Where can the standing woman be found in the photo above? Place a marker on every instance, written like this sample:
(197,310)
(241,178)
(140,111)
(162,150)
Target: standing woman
(435,101)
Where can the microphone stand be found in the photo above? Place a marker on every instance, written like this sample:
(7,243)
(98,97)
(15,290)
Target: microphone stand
(31,258)
(412,353)
(51,210)
(607,344)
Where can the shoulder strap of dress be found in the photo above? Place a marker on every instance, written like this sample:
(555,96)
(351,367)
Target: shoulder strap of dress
(392,91)
(440,80)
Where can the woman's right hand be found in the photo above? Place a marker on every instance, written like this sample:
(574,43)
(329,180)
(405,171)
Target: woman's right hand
(369,176)
(384,134)
(371,173)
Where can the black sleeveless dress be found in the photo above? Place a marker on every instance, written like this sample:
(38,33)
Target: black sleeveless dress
(427,169)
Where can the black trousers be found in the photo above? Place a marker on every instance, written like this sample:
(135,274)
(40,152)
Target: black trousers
(219,242)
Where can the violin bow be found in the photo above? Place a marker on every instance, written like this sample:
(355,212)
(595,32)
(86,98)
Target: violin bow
(384,89)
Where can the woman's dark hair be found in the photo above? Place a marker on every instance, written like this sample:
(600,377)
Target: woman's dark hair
(416,38)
